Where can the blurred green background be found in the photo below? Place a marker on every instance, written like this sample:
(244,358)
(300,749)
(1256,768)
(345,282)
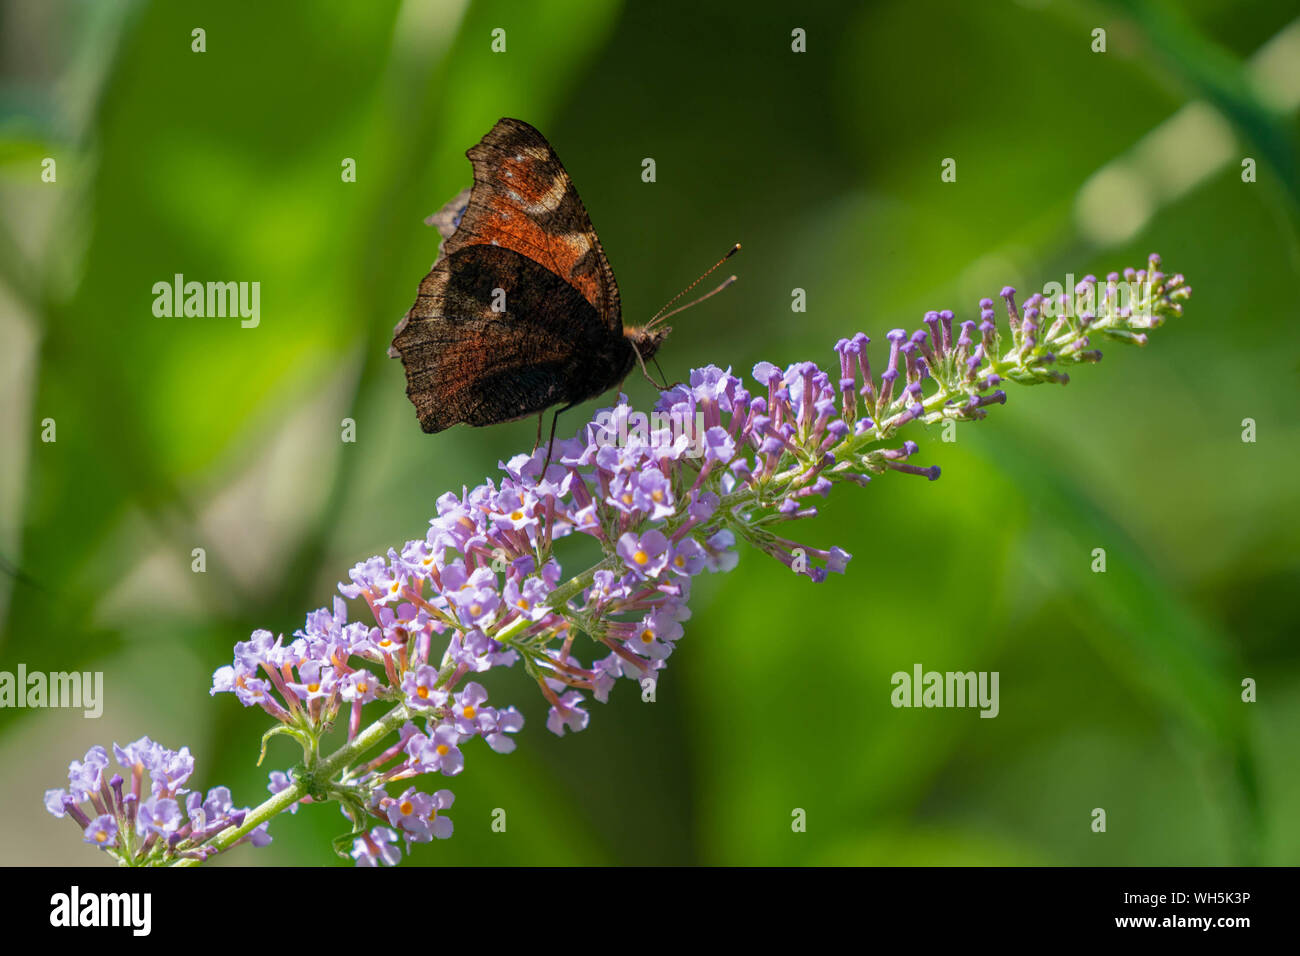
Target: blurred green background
(1118,690)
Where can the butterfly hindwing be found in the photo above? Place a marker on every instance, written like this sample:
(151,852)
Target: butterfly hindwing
(493,337)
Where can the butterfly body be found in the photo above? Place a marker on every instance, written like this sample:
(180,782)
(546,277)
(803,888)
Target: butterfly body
(520,312)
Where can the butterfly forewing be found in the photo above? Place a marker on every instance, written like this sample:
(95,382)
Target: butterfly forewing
(524,200)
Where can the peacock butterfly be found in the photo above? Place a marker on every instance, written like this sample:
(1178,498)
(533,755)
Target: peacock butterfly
(520,312)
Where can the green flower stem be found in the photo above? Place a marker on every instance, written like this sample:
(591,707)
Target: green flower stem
(296,790)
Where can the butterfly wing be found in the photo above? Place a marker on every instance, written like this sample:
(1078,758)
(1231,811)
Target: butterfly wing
(520,233)
(523,199)
(494,337)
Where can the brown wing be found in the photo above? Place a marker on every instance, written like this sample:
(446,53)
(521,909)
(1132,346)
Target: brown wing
(523,200)
(468,361)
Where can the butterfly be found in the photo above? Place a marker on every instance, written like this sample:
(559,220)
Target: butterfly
(520,311)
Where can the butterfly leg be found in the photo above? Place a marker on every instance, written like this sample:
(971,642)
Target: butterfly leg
(550,445)
(538,441)
(646,372)
(661,372)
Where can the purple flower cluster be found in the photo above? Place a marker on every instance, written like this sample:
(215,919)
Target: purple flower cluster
(169,822)
(483,588)
(416,817)
(665,496)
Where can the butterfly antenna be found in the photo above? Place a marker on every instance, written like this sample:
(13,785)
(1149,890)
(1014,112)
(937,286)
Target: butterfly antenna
(663,313)
(683,308)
